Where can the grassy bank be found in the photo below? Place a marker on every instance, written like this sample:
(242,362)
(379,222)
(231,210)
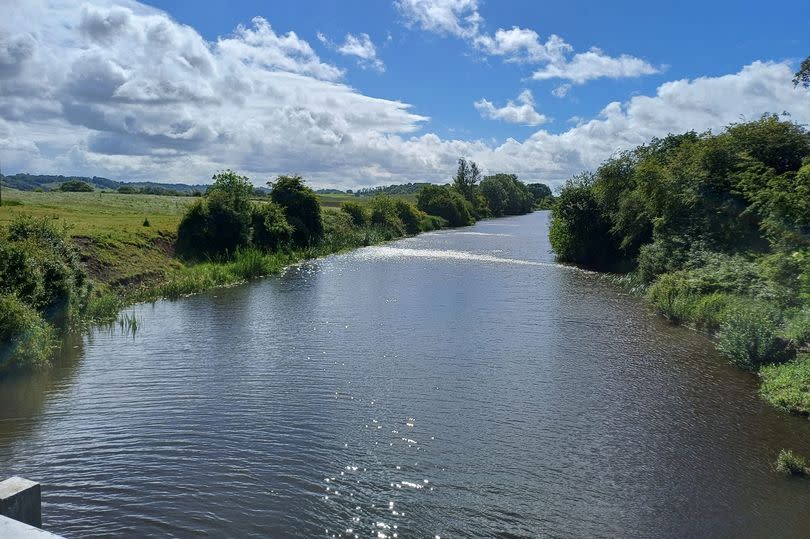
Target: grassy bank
(714,231)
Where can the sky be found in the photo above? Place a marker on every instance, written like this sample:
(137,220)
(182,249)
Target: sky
(357,93)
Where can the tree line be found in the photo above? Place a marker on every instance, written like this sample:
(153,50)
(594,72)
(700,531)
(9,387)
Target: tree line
(714,228)
(229,218)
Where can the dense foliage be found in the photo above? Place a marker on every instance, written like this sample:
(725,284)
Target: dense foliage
(220,222)
(301,206)
(506,195)
(447,203)
(42,284)
(76,186)
(715,228)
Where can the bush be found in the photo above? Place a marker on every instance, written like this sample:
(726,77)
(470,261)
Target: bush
(271,231)
(301,207)
(447,203)
(146,222)
(409,216)
(672,297)
(790,463)
(431,222)
(40,265)
(579,233)
(749,336)
(213,227)
(76,186)
(797,328)
(26,340)
(709,311)
(384,213)
(356,211)
(787,385)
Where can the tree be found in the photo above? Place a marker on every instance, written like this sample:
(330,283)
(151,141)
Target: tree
(506,195)
(802,76)
(271,231)
(579,233)
(301,207)
(445,202)
(219,223)
(76,186)
(467,177)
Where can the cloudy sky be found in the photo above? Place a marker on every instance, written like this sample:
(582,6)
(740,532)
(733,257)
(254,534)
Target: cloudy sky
(356,93)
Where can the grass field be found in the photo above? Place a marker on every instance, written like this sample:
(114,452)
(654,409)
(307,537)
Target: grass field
(118,250)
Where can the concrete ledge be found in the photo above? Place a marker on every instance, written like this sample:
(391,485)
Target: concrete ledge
(18,530)
(21,499)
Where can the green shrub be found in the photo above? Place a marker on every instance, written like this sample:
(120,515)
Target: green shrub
(790,463)
(146,222)
(356,211)
(215,225)
(301,207)
(431,222)
(579,233)
(271,231)
(408,215)
(797,328)
(671,295)
(384,213)
(41,266)
(787,385)
(26,340)
(709,311)
(446,203)
(749,336)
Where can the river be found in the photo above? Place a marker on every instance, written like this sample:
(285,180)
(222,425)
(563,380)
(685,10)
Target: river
(458,383)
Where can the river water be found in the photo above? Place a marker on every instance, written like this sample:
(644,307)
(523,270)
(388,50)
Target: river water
(454,384)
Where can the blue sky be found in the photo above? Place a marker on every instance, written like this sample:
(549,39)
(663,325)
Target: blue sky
(359,93)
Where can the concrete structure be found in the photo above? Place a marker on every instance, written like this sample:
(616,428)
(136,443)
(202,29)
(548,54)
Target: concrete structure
(12,529)
(21,499)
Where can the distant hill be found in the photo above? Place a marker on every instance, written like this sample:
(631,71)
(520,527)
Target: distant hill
(31,182)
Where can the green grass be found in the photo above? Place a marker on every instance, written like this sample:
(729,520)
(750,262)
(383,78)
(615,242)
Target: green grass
(108,228)
(787,386)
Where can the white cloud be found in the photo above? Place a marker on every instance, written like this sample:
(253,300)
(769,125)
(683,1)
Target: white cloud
(126,92)
(595,64)
(561,90)
(359,46)
(454,17)
(522,45)
(461,18)
(521,112)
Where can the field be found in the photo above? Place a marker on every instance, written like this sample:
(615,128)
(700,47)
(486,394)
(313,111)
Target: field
(118,250)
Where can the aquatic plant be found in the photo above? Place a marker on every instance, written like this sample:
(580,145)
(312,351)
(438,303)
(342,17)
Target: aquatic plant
(789,463)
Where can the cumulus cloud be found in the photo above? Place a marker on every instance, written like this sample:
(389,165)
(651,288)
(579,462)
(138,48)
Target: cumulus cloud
(461,18)
(359,46)
(124,91)
(595,64)
(520,112)
(450,17)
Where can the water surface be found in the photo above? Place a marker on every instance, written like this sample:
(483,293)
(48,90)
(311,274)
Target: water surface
(458,383)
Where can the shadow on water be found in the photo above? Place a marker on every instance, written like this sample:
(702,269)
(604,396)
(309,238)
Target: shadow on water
(24,397)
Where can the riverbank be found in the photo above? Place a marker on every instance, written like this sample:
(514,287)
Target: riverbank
(76,259)
(714,231)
